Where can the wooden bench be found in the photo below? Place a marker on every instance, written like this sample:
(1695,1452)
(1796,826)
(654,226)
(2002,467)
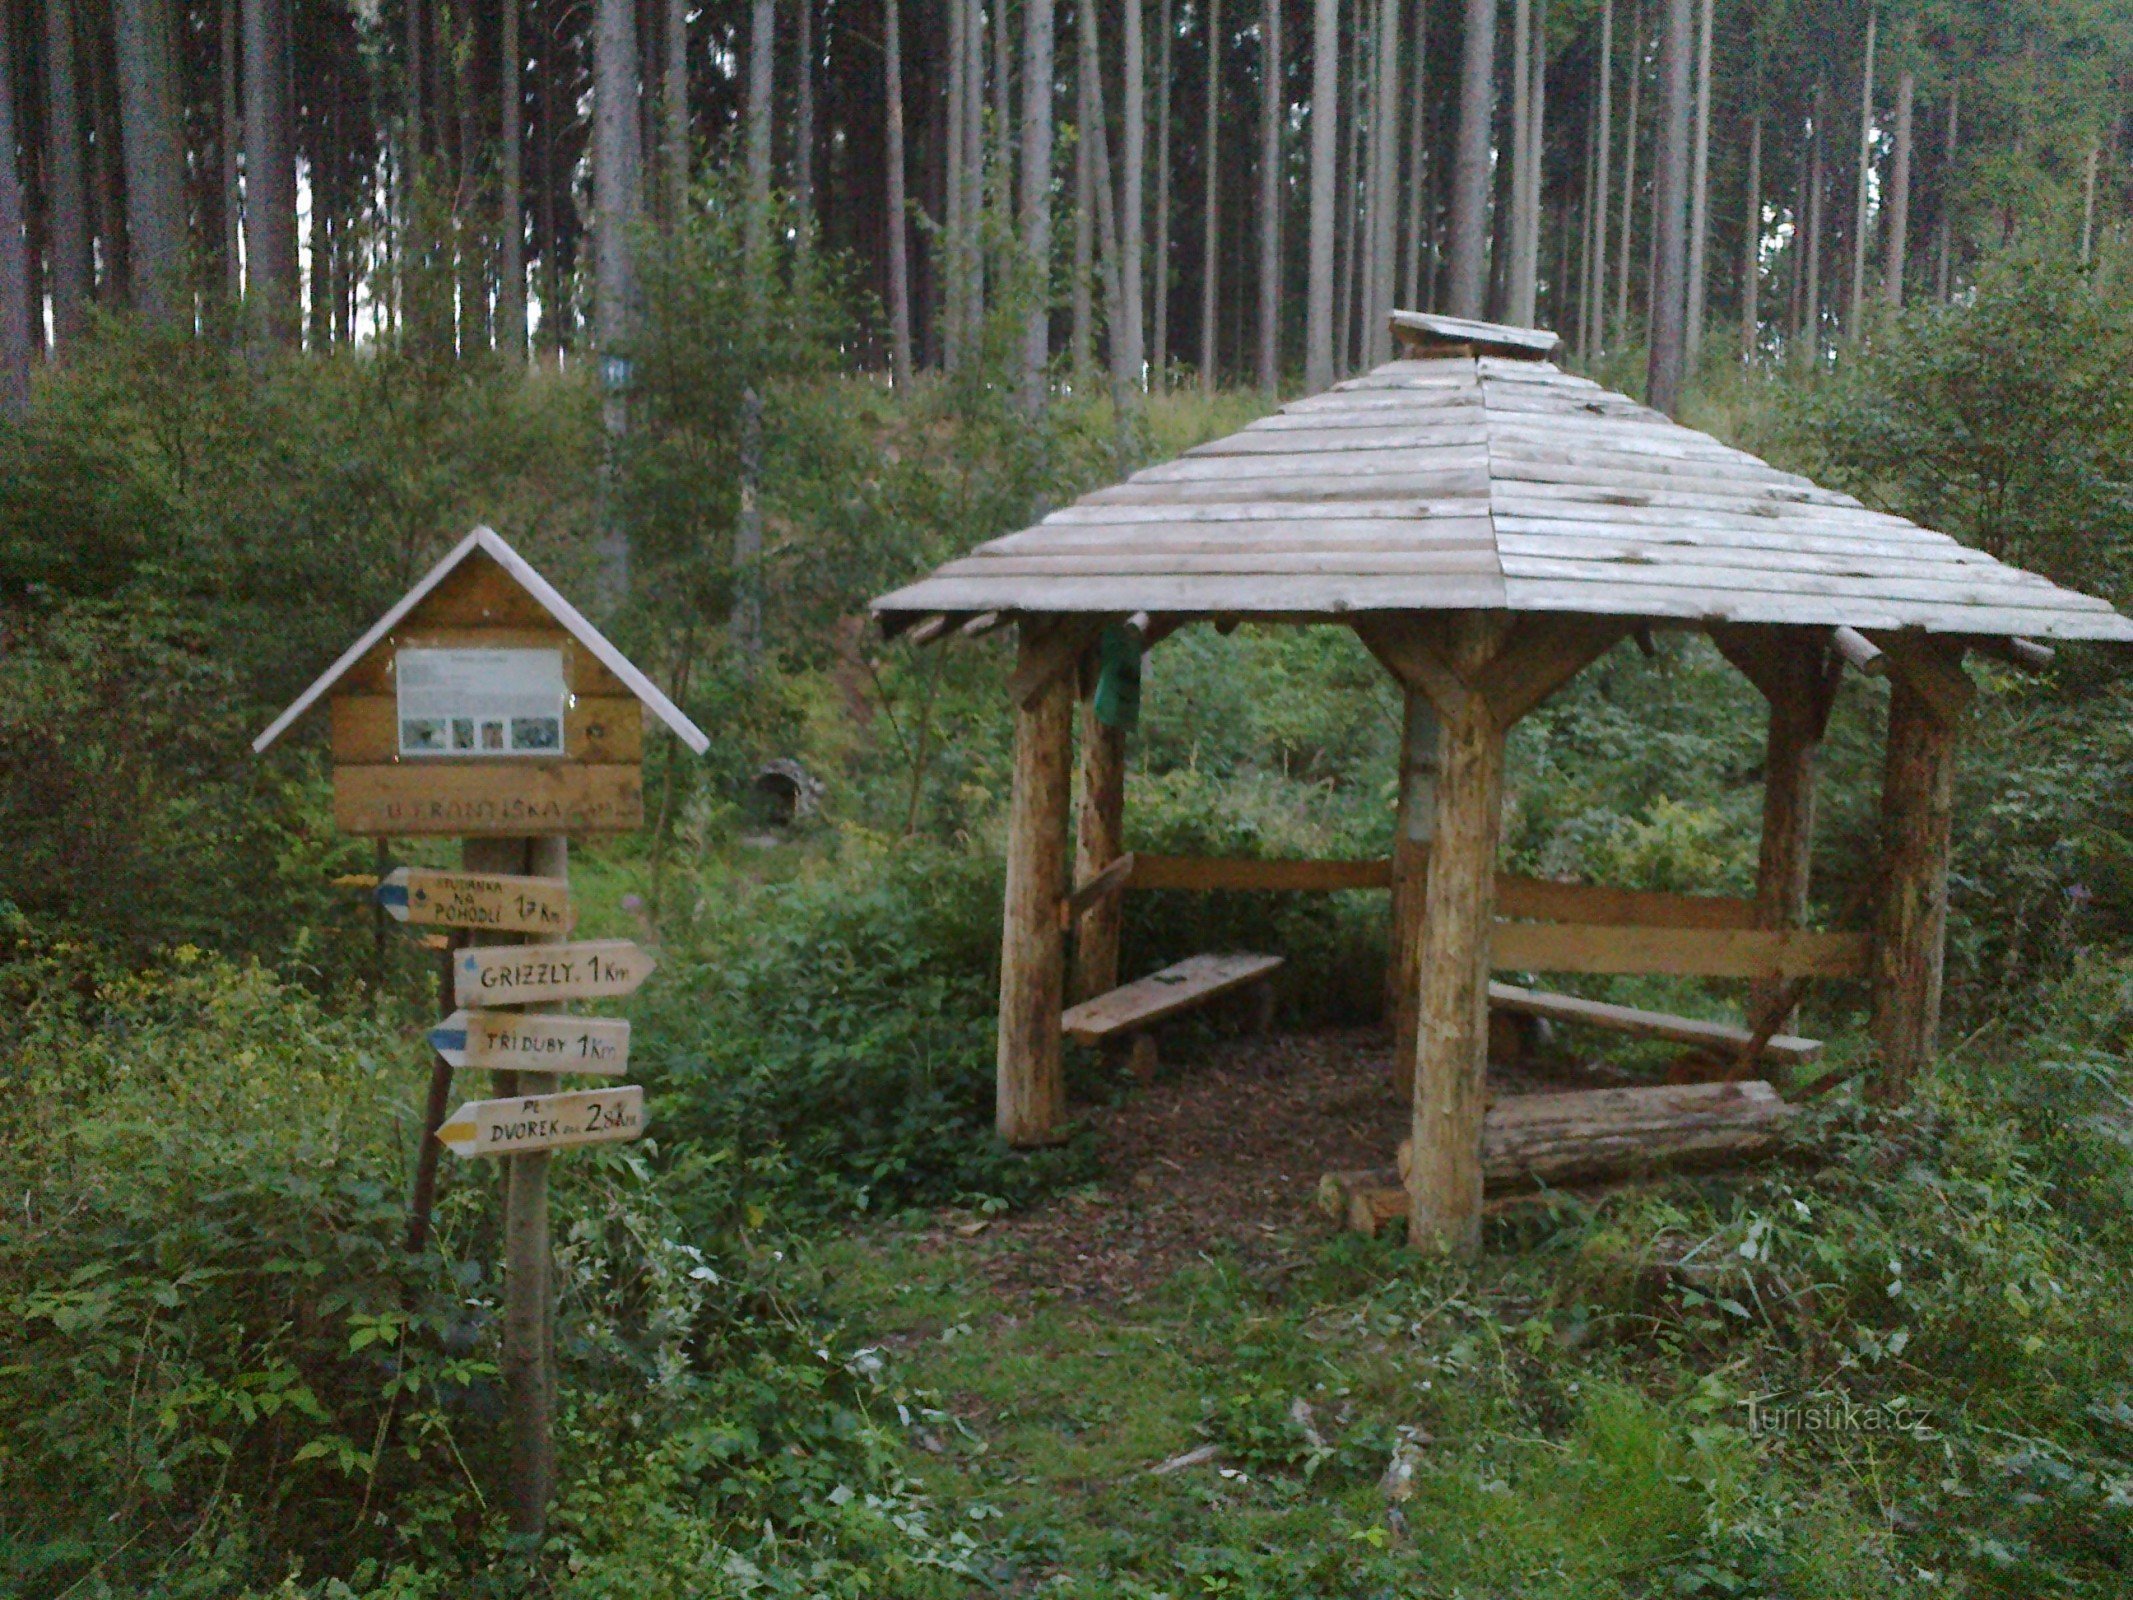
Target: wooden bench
(1132,1010)
(1585,1136)
(1723,1038)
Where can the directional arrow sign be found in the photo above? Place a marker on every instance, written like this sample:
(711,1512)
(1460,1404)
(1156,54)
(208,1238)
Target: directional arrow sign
(545,1122)
(529,974)
(512,1041)
(477,900)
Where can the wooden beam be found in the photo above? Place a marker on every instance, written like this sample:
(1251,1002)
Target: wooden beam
(1031,1093)
(1244,873)
(1451,1021)
(1917,809)
(1771,953)
(1728,1037)
(1542,654)
(1050,650)
(1098,850)
(1933,668)
(985,622)
(1859,652)
(931,629)
(1107,884)
(1143,1003)
(1414,827)
(1527,659)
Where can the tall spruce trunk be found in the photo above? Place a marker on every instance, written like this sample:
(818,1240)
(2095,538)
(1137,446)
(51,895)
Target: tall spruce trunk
(1132,191)
(511,197)
(1159,347)
(154,161)
(1700,190)
(674,111)
(1210,197)
(1811,292)
(1383,200)
(1325,146)
(803,123)
(1519,277)
(1352,192)
(1670,201)
(1944,223)
(1855,314)
(1470,169)
(892,67)
(1585,214)
(1415,232)
(618,160)
(1629,175)
(269,172)
(953,281)
(1273,111)
(1036,196)
(17,346)
(66,179)
(1081,337)
(1897,243)
(229,139)
(1537,144)
(1124,375)
(762,66)
(1596,284)
(1751,262)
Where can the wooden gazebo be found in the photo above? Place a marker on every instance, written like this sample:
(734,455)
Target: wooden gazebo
(1489,524)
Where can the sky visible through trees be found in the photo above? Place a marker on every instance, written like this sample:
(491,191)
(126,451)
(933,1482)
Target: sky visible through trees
(1183,190)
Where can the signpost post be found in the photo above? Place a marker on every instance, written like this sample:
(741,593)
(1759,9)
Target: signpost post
(482,704)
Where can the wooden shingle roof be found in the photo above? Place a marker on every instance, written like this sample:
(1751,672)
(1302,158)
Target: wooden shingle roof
(1494,482)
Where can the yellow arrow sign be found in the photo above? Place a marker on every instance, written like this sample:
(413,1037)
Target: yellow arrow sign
(534,974)
(545,1122)
(477,900)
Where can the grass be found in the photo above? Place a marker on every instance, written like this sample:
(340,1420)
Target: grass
(1544,1464)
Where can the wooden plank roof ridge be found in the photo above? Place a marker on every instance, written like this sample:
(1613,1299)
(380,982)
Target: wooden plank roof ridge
(1474,472)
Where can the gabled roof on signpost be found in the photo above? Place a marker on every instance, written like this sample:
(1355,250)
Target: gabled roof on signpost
(490,543)
(1478,475)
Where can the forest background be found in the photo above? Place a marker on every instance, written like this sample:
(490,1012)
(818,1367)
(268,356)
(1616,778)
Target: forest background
(293,293)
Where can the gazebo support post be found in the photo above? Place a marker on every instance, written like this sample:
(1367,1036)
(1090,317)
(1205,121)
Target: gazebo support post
(1797,674)
(1927,694)
(1482,673)
(1099,840)
(1031,1092)
(1414,827)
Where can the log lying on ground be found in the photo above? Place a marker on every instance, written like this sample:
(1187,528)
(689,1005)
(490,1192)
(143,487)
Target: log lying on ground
(1585,1136)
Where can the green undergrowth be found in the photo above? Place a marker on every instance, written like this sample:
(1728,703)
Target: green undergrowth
(1940,1289)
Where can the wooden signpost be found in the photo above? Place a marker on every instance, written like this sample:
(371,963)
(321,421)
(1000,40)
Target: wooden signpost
(515,1041)
(545,1122)
(476,900)
(483,704)
(538,974)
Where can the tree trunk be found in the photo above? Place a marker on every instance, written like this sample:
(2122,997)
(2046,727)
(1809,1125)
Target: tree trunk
(1099,840)
(1629,174)
(1413,829)
(1210,193)
(974,176)
(1416,232)
(1519,292)
(154,161)
(899,265)
(1944,224)
(2088,200)
(803,122)
(762,64)
(1030,1091)
(1537,143)
(1585,220)
(319,331)
(511,205)
(1383,201)
(1159,350)
(1917,802)
(674,110)
(1132,194)
(1670,199)
(1811,292)
(1751,261)
(15,340)
(269,172)
(1898,242)
(1855,315)
(1325,146)
(1036,195)
(66,183)
(1123,373)
(229,139)
(1354,243)
(1700,191)
(617,193)
(1081,342)
(1470,172)
(953,281)
(1596,284)
(1273,110)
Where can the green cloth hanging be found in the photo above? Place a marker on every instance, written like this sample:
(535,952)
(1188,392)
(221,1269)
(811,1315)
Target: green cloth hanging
(1118,677)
